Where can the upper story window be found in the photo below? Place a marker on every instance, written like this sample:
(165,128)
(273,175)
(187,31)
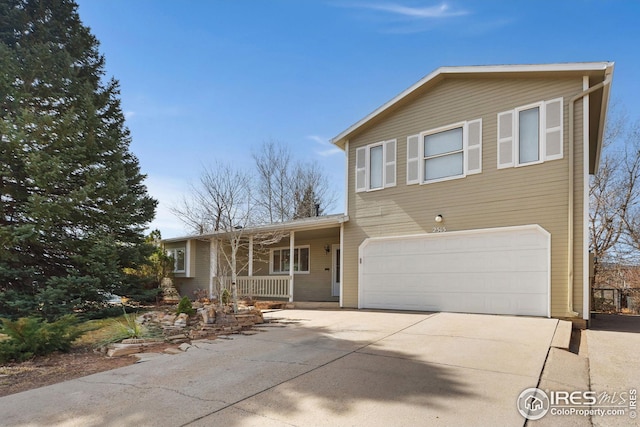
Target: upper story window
(376,166)
(450,152)
(280,261)
(530,134)
(443,154)
(178,255)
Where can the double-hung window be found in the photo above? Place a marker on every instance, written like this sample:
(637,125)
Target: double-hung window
(443,154)
(530,134)
(280,261)
(178,255)
(376,166)
(449,152)
(528,123)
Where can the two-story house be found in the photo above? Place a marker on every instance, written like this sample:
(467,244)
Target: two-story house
(467,192)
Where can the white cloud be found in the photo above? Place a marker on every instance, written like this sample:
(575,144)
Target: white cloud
(326,148)
(129,114)
(432,12)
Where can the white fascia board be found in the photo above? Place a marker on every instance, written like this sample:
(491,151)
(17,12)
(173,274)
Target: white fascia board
(474,69)
(313,223)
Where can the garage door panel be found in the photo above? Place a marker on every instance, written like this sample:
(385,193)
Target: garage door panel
(478,303)
(459,282)
(502,271)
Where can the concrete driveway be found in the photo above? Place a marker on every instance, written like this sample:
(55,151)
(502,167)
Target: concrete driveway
(613,344)
(315,368)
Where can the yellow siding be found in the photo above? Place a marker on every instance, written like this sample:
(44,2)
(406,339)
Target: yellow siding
(535,194)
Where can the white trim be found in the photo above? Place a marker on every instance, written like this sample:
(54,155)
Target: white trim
(393,163)
(250,266)
(413,139)
(465,151)
(361,186)
(586,293)
(292,242)
(360,268)
(505,140)
(516,133)
(368,168)
(213,265)
(367,165)
(470,148)
(460,125)
(335,246)
(341,265)
(543,131)
(457,233)
(187,259)
(448,234)
(170,252)
(281,248)
(304,224)
(346,179)
(548,130)
(481,69)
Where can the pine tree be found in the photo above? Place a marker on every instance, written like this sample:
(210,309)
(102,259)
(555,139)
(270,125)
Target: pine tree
(73,201)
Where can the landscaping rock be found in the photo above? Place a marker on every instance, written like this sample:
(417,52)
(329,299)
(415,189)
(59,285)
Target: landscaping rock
(170,294)
(182,320)
(124,350)
(184,346)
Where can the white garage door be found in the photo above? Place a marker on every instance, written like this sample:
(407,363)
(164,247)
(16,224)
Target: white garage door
(497,271)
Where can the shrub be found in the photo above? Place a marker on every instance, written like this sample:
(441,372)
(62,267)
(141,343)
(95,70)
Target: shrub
(130,327)
(226,297)
(30,336)
(184,306)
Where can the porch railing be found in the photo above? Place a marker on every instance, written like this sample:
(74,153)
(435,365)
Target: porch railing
(260,286)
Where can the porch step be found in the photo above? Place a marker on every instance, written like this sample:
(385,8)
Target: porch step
(314,305)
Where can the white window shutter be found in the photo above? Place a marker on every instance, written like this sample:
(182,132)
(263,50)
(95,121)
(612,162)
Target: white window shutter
(505,140)
(413,159)
(474,147)
(361,169)
(390,163)
(553,145)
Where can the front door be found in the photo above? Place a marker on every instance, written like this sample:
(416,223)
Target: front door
(335,270)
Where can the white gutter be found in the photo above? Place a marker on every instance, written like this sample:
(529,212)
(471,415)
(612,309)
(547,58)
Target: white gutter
(570,257)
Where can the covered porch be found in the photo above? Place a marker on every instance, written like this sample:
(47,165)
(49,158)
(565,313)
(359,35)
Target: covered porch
(303,265)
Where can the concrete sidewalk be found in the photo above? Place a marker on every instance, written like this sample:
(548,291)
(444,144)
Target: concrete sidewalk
(613,345)
(316,368)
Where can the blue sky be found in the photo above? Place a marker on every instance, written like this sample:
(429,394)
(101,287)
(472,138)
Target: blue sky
(212,80)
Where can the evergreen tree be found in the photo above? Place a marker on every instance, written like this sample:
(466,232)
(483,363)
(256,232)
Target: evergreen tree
(306,203)
(72,199)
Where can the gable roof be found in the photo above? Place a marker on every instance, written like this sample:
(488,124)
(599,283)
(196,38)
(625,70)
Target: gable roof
(597,72)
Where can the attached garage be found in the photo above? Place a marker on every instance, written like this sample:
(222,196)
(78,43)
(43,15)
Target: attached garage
(495,271)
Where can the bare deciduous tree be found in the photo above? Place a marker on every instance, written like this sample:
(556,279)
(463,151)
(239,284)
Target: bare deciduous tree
(221,203)
(289,190)
(273,199)
(614,193)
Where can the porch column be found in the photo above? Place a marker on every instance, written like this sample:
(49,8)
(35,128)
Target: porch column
(250,273)
(250,269)
(213,264)
(292,240)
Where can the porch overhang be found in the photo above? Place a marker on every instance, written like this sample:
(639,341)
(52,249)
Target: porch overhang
(304,224)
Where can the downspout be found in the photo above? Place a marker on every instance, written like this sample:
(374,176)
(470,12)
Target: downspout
(570,257)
